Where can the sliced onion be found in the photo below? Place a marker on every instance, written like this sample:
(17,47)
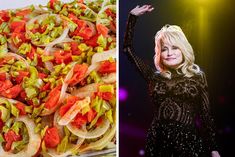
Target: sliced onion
(98,57)
(49,65)
(101,143)
(34,140)
(73,111)
(92,26)
(106,7)
(85,91)
(92,67)
(65,84)
(110,78)
(55,123)
(53,153)
(12,47)
(99,131)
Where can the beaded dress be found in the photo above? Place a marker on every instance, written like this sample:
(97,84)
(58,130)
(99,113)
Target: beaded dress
(177,102)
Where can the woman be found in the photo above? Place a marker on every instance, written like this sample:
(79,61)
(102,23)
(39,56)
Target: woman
(178,89)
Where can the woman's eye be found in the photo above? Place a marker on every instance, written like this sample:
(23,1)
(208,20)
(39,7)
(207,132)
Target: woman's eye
(164,49)
(174,47)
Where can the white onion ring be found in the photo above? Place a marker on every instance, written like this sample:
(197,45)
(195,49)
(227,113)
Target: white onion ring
(110,78)
(73,111)
(92,67)
(85,91)
(55,123)
(34,140)
(98,57)
(99,131)
(101,143)
(12,47)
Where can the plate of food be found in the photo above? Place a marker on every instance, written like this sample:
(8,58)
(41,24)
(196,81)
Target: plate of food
(58,78)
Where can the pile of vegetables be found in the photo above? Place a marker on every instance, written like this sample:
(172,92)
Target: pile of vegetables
(58,78)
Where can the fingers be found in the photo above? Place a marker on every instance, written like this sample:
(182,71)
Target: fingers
(139,10)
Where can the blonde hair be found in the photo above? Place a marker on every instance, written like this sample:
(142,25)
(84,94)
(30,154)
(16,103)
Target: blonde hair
(174,35)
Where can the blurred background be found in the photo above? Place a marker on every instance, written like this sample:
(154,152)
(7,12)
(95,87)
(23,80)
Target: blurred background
(210,28)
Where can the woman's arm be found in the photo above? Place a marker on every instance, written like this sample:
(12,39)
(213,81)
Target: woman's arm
(207,120)
(146,71)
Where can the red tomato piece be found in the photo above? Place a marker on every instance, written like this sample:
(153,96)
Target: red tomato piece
(11,137)
(21,108)
(52,138)
(107,67)
(63,57)
(4,85)
(79,120)
(12,92)
(102,29)
(91,115)
(53,97)
(79,72)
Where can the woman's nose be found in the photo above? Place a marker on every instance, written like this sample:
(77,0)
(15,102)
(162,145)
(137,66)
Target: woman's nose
(169,52)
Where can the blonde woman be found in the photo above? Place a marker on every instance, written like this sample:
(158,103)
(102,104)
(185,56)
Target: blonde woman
(178,89)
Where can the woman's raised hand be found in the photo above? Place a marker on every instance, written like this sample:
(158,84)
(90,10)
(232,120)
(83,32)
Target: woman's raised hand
(137,11)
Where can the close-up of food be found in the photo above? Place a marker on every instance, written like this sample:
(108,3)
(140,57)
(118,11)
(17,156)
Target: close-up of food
(58,79)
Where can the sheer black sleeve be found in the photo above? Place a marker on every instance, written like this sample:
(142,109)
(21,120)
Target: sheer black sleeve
(146,71)
(208,125)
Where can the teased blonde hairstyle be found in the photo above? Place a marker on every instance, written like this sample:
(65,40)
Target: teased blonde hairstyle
(173,35)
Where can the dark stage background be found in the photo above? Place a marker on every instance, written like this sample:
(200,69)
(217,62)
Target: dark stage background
(210,28)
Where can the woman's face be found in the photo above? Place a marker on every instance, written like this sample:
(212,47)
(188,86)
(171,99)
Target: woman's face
(171,56)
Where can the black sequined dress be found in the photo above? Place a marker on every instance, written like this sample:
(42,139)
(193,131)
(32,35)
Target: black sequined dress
(177,104)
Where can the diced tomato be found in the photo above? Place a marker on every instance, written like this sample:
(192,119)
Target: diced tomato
(11,137)
(21,108)
(105,95)
(45,87)
(42,75)
(110,13)
(22,74)
(75,49)
(70,102)
(52,3)
(31,53)
(17,26)
(53,97)
(4,85)
(85,33)
(4,16)
(112,26)
(63,57)
(79,72)
(22,96)
(3,76)
(92,41)
(52,138)
(91,115)
(79,120)
(20,36)
(107,67)
(23,12)
(102,29)
(12,92)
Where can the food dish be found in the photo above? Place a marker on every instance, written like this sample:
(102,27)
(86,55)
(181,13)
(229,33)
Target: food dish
(58,79)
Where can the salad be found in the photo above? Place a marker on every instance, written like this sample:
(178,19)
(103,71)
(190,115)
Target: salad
(58,79)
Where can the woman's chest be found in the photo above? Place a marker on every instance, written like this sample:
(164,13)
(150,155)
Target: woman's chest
(185,88)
